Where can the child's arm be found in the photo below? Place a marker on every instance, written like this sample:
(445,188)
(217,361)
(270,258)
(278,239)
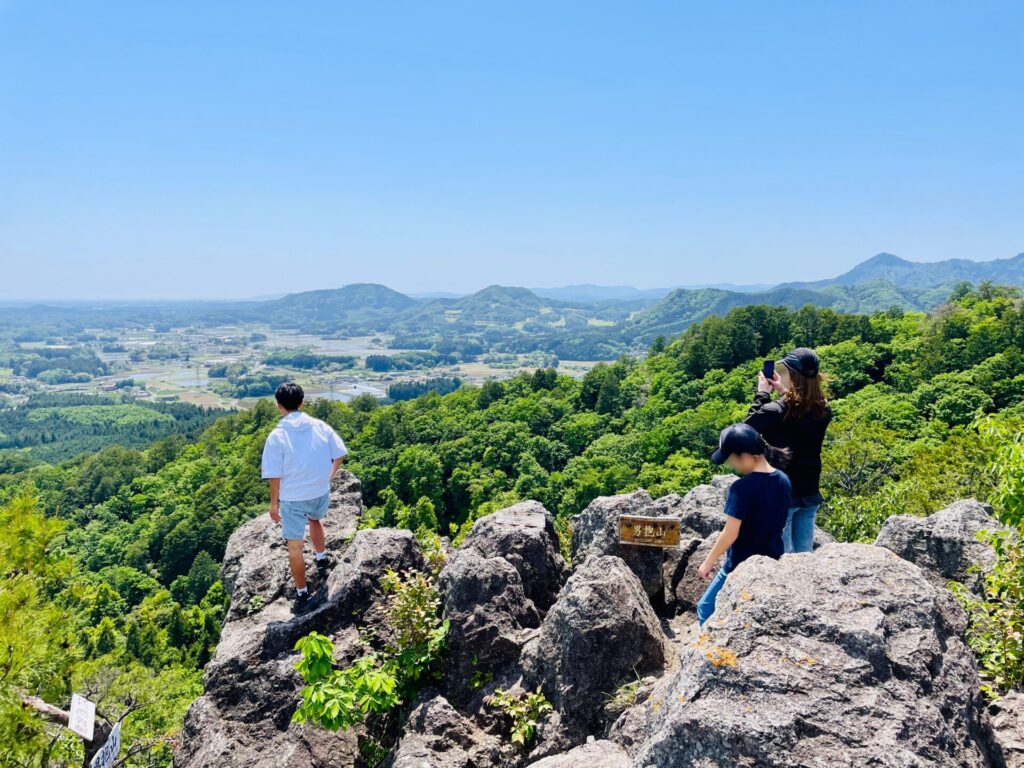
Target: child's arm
(722,543)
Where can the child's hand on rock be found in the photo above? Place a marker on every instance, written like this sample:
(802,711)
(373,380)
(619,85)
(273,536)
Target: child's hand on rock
(705,570)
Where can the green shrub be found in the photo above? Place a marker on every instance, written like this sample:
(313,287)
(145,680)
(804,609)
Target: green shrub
(524,710)
(378,681)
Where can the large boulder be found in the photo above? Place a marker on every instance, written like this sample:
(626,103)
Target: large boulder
(601,632)
(524,535)
(593,754)
(489,615)
(702,509)
(595,532)
(437,736)
(250,686)
(945,545)
(1008,728)
(847,657)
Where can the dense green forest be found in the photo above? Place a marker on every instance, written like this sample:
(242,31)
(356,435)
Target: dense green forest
(114,583)
(55,426)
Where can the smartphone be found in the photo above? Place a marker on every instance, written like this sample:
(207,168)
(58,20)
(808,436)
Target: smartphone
(768,369)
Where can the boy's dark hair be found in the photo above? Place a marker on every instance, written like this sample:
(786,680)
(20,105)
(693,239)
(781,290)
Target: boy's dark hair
(289,396)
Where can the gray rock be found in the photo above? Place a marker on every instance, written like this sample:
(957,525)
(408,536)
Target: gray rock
(848,657)
(489,614)
(524,534)
(437,736)
(1008,728)
(595,531)
(600,632)
(701,510)
(945,545)
(250,686)
(593,754)
(673,572)
(686,584)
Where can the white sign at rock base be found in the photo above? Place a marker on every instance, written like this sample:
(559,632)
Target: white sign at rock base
(83,716)
(108,752)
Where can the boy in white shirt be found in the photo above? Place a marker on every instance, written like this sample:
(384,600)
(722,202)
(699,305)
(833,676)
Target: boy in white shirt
(300,458)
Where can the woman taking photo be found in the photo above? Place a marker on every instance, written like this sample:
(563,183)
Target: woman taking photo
(796,420)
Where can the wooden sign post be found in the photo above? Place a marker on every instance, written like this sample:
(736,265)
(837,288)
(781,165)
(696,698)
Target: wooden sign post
(645,531)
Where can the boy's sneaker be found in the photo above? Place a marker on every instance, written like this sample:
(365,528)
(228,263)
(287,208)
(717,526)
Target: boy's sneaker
(324,566)
(307,602)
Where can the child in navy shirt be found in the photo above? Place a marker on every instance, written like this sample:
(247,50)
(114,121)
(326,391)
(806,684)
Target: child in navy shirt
(755,511)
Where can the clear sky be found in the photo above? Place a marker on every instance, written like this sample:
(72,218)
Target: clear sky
(222,149)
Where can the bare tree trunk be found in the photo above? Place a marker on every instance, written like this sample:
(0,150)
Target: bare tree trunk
(101,730)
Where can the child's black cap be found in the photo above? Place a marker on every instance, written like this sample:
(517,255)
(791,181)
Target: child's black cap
(739,438)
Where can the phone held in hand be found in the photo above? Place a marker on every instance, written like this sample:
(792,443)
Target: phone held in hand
(768,369)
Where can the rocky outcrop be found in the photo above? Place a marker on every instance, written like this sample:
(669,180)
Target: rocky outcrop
(601,632)
(1008,728)
(250,685)
(847,657)
(524,535)
(488,613)
(593,754)
(595,532)
(850,656)
(945,544)
(437,736)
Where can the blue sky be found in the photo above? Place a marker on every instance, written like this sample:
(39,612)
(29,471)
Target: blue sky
(220,149)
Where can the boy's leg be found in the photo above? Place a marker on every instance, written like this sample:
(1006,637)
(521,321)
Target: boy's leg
(803,528)
(297,563)
(316,534)
(293,531)
(314,517)
(706,605)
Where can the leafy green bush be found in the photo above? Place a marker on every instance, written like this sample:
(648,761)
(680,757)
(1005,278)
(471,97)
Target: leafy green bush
(378,681)
(525,712)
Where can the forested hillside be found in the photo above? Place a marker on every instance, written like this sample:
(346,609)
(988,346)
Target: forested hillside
(114,584)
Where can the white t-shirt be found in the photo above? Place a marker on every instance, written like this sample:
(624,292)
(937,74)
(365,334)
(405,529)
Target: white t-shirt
(300,451)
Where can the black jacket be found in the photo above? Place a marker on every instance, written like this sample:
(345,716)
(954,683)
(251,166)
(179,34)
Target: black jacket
(803,436)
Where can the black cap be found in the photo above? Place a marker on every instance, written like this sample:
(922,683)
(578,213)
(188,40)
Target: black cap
(803,361)
(739,438)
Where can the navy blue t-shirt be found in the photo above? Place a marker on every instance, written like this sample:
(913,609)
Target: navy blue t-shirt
(761,500)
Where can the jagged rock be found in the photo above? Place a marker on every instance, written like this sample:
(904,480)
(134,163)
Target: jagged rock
(593,754)
(847,657)
(945,545)
(595,531)
(673,572)
(488,613)
(524,534)
(685,582)
(251,686)
(600,632)
(437,736)
(1008,728)
(702,509)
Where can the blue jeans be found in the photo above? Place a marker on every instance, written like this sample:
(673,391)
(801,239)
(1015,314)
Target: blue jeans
(706,605)
(798,535)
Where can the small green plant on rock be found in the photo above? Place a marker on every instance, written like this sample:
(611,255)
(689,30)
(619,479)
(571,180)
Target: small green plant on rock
(256,603)
(378,681)
(525,710)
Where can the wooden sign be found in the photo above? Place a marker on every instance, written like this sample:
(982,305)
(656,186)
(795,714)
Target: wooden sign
(644,531)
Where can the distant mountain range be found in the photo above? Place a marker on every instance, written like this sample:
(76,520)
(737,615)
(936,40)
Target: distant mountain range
(573,322)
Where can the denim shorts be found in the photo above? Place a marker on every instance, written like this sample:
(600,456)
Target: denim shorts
(294,515)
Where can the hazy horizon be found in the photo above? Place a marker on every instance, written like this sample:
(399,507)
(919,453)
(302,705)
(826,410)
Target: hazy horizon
(212,151)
